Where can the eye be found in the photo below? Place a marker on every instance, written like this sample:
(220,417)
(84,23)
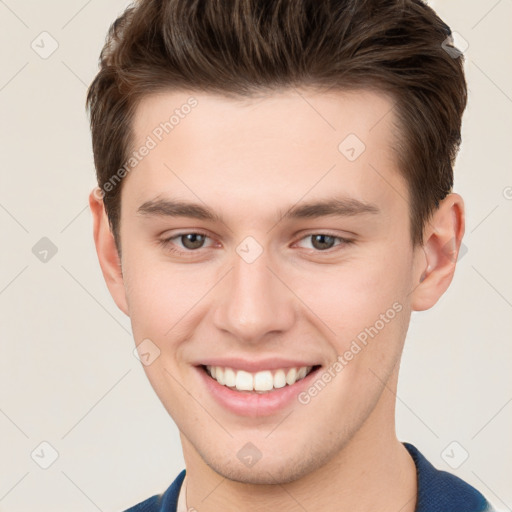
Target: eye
(192,240)
(325,241)
(189,242)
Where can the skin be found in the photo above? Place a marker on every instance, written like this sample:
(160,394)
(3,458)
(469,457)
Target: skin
(250,161)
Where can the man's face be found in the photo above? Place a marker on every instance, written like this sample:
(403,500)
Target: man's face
(261,286)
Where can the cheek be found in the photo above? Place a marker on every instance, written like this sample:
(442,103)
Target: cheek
(353,295)
(160,295)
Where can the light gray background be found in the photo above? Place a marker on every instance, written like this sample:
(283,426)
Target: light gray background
(67,372)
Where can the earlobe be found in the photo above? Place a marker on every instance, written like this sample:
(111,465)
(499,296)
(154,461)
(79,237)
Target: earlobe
(106,250)
(442,239)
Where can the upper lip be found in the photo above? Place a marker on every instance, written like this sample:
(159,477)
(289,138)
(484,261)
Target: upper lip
(252,366)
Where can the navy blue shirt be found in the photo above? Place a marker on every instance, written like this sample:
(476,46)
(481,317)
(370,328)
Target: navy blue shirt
(438,491)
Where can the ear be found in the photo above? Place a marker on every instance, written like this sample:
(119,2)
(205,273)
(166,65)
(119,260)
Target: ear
(106,249)
(437,258)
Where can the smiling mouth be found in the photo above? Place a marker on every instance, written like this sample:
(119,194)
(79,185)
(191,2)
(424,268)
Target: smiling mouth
(265,381)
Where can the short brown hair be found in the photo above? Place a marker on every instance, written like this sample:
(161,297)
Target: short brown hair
(243,47)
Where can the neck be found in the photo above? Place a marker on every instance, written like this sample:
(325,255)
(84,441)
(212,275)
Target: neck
(373,471)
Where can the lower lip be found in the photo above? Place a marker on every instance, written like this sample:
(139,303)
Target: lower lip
(255,404)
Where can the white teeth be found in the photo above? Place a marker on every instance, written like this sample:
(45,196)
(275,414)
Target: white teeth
(244,381)
(260,381)
(229,377)
(279,379)
(301,373)
(263,381)
(291,376)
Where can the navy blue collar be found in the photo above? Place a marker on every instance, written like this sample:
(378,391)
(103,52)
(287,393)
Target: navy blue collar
(440,491)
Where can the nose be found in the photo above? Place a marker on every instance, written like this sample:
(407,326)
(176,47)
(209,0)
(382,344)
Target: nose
(254,302)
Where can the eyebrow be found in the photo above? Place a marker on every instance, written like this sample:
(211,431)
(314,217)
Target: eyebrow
(342,207)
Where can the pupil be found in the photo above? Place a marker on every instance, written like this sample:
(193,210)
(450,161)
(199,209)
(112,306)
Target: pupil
(193,240)
(325,241)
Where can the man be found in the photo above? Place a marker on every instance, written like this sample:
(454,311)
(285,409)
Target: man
(274,200)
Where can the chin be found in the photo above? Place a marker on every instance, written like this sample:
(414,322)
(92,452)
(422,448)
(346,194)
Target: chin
(261,476)
(271,471)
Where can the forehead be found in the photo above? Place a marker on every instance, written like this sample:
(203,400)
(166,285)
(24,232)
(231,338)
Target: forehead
(306,115)
(296,142)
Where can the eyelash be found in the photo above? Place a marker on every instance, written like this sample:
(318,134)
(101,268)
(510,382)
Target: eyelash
(167,242)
